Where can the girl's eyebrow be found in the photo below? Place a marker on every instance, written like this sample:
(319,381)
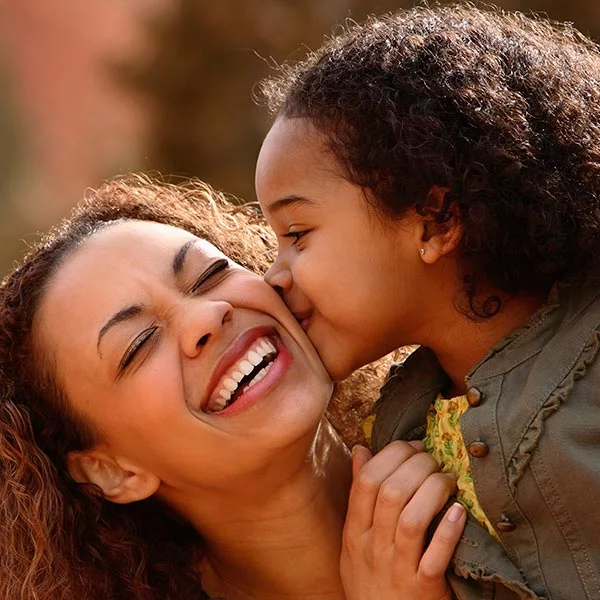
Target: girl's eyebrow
(289,201)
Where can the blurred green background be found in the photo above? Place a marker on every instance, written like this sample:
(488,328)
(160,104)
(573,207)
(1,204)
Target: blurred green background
(93,88)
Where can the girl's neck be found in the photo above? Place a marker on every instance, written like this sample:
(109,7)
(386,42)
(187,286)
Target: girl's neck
(287,545)
(460,343)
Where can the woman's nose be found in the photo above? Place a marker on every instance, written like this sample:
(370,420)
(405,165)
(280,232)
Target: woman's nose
(203,321)
(279,277)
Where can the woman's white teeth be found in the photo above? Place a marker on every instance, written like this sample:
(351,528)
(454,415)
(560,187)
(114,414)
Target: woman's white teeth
(230,382)
(246,367)
(258,376)
(255,358)
(219,403)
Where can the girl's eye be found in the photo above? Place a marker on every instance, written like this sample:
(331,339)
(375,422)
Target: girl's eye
(296,236)
(217,267)
(135,347)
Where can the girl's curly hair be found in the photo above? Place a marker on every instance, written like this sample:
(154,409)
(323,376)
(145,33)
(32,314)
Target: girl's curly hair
(502,109)
(60,540)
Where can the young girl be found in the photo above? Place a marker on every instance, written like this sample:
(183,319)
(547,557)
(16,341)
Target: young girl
(433,178)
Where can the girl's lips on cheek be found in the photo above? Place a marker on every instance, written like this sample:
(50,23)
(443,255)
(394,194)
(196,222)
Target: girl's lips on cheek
(304,319)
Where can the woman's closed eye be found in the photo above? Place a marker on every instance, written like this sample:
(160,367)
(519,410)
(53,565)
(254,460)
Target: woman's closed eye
(145,341)
(208,278)
(142,342)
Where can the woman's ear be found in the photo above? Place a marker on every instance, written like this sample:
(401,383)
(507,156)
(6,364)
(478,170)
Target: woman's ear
(120,481)
(439,237)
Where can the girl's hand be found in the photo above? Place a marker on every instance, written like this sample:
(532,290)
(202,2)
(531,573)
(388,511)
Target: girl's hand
(394,497)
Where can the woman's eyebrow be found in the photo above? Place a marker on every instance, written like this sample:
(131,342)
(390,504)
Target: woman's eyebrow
(123,315)
(179,258)
(131,311)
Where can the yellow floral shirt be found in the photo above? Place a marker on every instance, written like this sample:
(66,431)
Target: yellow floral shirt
(443,440)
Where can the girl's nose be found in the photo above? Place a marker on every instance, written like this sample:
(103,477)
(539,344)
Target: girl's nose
(202,321)
(279,277)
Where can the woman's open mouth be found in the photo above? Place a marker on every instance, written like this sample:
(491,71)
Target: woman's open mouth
(242,375)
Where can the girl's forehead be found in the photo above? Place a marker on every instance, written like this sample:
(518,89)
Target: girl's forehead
(293,134)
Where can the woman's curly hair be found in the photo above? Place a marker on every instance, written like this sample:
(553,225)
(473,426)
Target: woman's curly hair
(60,540)
(502,109)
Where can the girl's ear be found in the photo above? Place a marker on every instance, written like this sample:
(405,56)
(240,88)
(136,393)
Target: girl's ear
(439,238)
(120,481)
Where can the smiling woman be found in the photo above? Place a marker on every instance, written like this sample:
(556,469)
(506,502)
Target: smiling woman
(161,418)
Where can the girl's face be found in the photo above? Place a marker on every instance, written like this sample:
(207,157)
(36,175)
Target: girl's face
(187,365)
(350,278)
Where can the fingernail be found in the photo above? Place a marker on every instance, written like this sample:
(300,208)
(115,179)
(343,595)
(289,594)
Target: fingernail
(417,444)
(455,512)
(355,448)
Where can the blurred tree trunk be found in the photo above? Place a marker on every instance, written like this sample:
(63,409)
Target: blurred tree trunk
(206,57)
(585,14)
(11,163)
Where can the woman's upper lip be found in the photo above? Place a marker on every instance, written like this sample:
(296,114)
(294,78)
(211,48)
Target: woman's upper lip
(232,354)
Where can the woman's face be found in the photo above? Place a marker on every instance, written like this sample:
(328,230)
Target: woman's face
(185,363)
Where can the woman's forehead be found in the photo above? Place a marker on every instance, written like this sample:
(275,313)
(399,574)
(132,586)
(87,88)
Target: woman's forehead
(117,258)
(131,238)
(116,267)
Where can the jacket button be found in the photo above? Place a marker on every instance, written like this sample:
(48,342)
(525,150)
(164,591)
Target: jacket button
(474,396)
(505,525)
(478,449)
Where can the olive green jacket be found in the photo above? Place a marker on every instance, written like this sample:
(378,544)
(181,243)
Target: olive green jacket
(533,436)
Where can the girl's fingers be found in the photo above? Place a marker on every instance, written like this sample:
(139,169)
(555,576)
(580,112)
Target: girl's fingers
(436,558)
(368,480)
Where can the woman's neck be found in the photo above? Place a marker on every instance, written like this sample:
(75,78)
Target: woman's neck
(287,543)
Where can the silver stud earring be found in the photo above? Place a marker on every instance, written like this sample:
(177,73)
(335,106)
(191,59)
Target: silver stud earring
(422,251)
